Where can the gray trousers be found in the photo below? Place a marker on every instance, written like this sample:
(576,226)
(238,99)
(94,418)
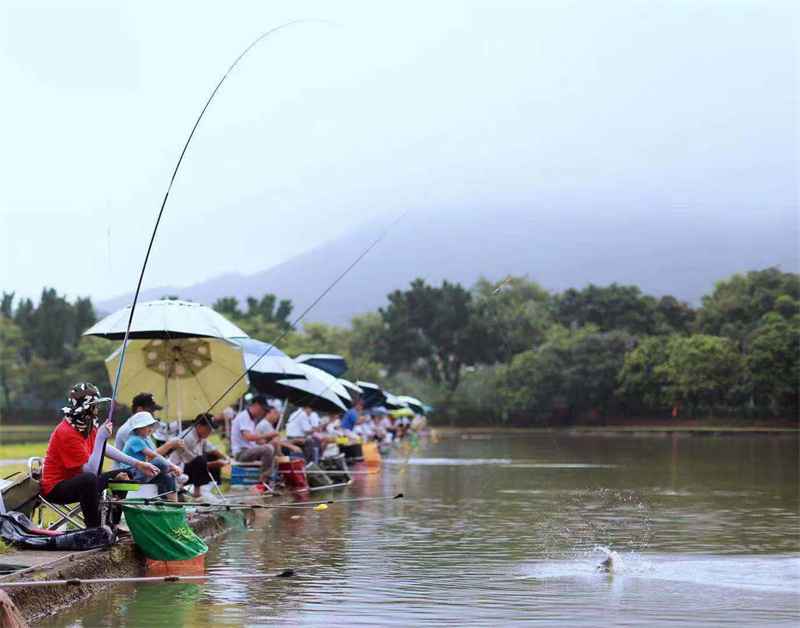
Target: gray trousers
(264,453)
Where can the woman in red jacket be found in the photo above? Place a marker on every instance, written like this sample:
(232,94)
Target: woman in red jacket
(72,461)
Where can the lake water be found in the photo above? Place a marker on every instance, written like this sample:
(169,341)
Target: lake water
(509,530)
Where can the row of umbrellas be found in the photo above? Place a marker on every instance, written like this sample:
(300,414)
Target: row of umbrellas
(188,354)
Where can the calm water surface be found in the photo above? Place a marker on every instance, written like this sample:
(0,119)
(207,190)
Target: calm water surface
(508,530)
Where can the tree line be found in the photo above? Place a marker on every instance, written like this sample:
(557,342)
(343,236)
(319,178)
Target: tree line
(507,352)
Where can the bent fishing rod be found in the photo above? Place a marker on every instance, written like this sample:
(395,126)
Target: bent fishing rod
(160,214)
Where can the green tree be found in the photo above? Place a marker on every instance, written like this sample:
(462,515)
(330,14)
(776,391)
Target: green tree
(703,371)
(673,316)
(774,365)
(270,309)
(228,307)
(608,308)
(736,306)
(641,382)
(573,373)
(513,316)
(88,364)
(431,330)
(12,369)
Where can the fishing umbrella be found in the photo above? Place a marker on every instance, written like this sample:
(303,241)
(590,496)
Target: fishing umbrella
(393,402)
(372,394)
(354,389)
(318,389)
(402,412)
(187,374)
(329,362)
(266,364)
(412,402)
(166,319)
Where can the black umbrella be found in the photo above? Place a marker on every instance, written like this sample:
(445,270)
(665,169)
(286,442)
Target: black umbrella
(329,362)
(372,394)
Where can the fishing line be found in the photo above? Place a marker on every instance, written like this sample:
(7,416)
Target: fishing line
(293,325)
(125,339)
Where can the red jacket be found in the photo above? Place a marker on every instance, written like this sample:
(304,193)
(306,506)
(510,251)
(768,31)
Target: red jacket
(67,452)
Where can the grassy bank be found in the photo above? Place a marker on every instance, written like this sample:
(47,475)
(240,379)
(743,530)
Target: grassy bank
(22,450)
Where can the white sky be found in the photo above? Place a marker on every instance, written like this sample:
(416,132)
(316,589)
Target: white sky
(405,104)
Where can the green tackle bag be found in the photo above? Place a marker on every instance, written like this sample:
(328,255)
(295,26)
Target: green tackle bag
(162,533)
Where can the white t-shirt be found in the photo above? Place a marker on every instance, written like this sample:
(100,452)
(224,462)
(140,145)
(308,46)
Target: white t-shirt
(166,430)
(265,428)
(334,428)
(300,423)
(242,422)
(193,446)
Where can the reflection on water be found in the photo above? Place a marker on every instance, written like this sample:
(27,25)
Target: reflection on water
(508,530)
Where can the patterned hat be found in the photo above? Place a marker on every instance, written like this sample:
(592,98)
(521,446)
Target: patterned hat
(81,401)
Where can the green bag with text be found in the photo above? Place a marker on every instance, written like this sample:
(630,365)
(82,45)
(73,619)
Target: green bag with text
(162,533)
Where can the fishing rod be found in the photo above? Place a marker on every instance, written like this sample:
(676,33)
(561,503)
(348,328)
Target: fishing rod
(287,573)
(160,214)
(242,505)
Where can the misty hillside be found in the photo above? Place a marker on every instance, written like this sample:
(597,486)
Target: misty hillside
(664,248)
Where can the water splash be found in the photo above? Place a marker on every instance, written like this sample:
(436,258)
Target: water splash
(612,563)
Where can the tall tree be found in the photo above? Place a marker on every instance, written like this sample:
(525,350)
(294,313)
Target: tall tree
(703,371)
(774,363)
(736,306)
(228,306)
(613,307)
(514,316)
(641,380)
(12,371)
(432,330)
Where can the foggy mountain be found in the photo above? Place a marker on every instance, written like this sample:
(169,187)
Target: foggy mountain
(664,248)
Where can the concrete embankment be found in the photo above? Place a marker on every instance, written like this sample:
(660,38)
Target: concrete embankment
(120,560)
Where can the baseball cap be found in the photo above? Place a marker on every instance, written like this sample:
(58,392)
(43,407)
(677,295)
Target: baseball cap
(262,401)
(145,400)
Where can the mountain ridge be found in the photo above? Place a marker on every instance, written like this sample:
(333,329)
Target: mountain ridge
(664,250)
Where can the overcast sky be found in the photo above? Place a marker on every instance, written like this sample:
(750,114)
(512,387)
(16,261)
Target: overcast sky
(404,104)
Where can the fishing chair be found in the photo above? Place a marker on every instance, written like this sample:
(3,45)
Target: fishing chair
(64,513)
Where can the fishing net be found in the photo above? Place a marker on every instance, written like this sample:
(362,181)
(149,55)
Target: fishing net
(162,533)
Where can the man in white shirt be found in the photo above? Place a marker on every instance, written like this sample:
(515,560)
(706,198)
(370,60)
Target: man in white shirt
(200,459)
(266,428)
(246,444)
(300,430)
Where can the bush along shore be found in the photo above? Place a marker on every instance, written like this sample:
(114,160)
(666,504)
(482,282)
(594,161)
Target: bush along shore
(498,353)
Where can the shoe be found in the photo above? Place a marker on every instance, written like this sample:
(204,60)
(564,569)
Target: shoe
(185,496)
(262,488)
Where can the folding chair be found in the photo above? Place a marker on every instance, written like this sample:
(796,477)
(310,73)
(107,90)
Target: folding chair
(65,513)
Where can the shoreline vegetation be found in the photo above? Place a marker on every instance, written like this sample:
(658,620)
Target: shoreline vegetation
(501,354)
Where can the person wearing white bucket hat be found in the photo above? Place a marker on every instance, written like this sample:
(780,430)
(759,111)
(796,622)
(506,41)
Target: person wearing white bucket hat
(141,447)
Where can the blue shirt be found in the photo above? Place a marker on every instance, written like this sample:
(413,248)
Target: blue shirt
(135,446)
(349,419)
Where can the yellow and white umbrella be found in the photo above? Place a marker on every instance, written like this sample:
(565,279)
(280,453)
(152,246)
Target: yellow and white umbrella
(187,375)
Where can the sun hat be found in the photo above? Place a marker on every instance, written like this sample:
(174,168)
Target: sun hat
(141,419)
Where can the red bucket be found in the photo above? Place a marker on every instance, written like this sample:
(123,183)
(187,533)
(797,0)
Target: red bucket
(293,472)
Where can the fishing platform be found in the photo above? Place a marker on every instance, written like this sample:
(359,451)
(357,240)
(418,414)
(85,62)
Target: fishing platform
(123,559)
